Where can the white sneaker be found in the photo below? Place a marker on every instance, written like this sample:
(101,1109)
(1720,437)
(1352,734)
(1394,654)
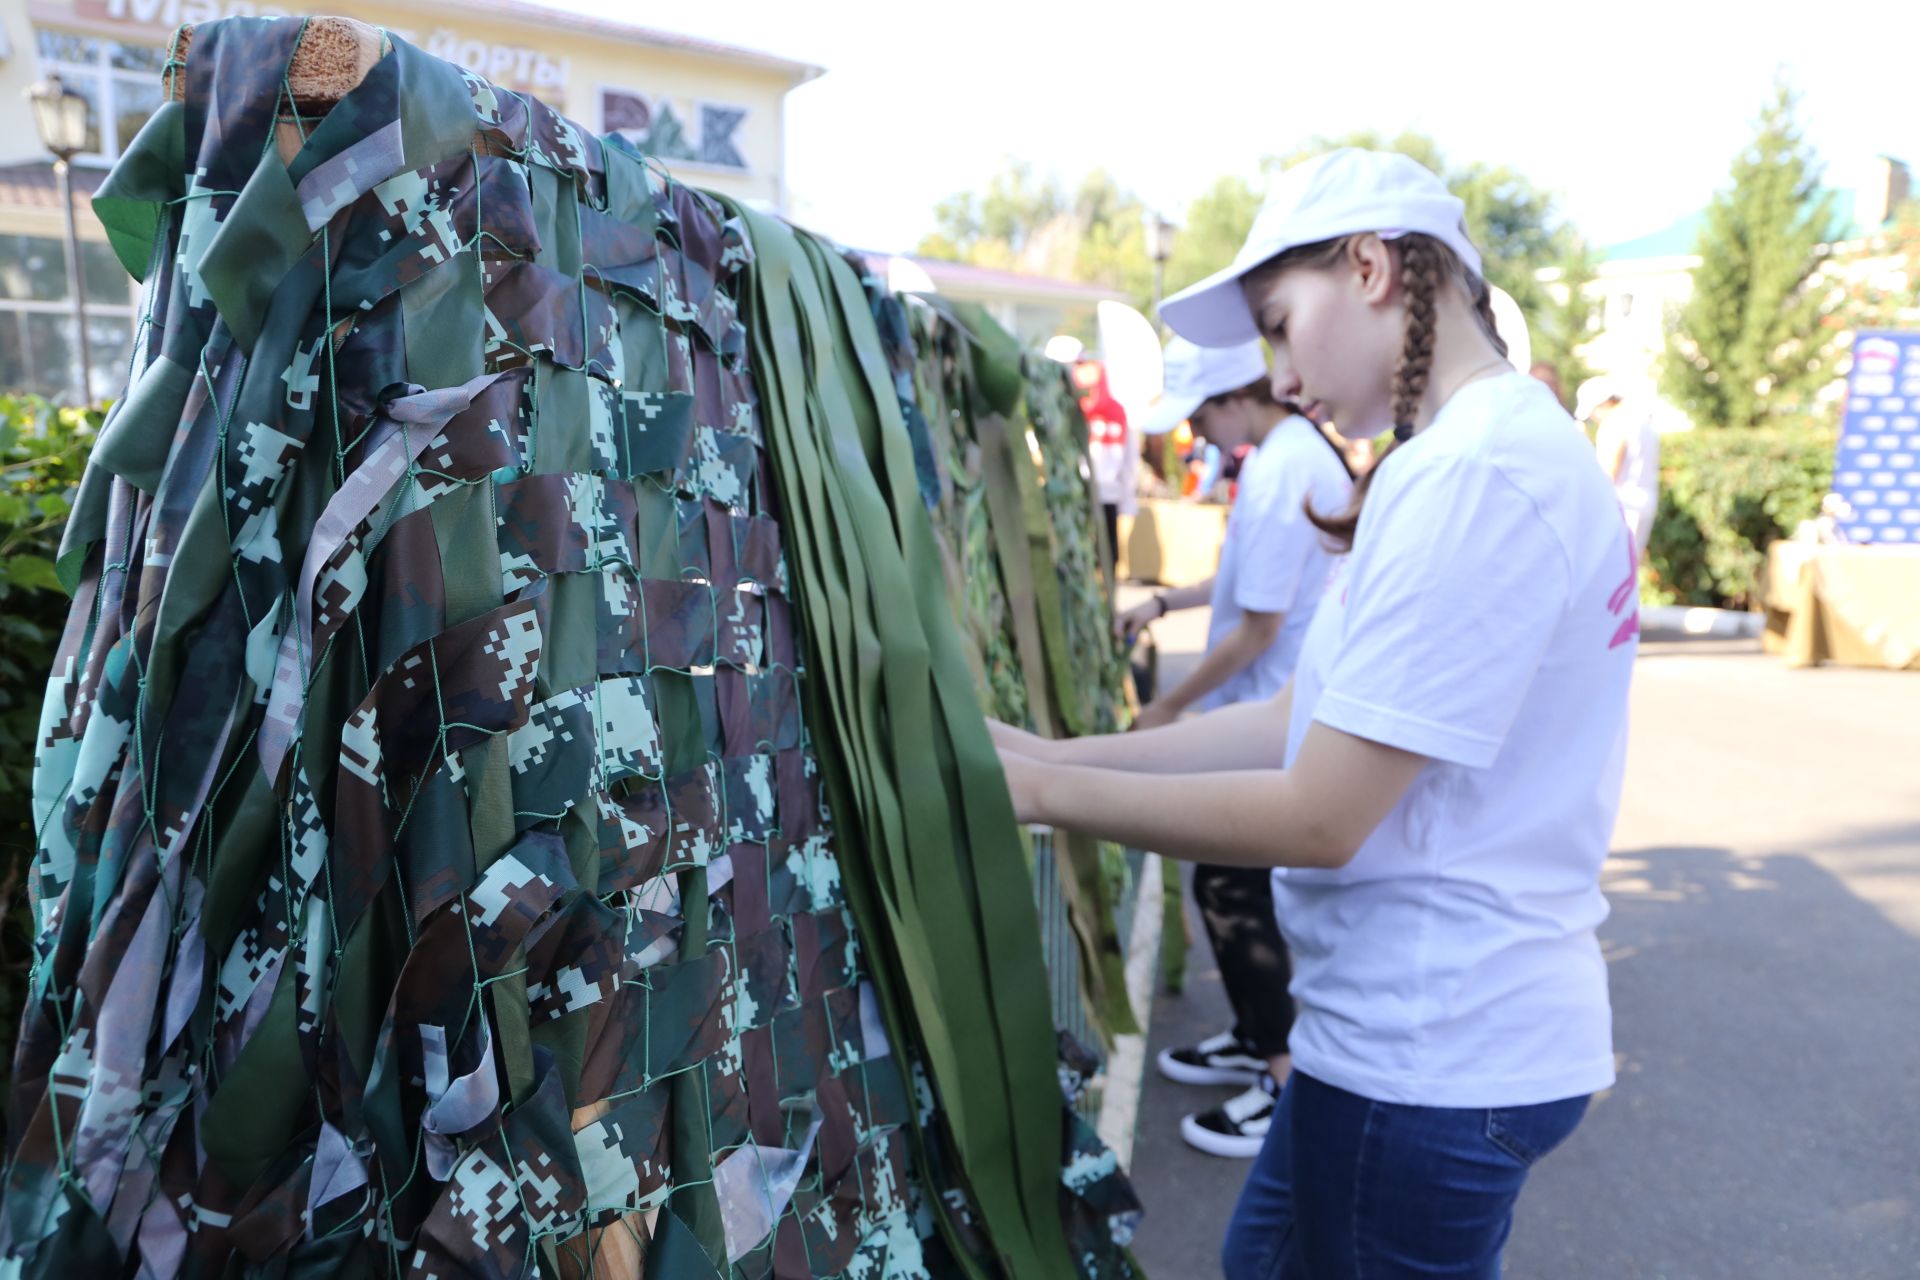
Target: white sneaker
(1220,1059)
(1237,1127)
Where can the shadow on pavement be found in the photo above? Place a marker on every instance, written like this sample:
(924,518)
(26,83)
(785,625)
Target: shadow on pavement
(1768,1029)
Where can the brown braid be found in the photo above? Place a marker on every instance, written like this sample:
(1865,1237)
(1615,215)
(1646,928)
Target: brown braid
(1420,268)
(1483,310)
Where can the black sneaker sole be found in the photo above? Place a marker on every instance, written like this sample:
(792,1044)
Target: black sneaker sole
(1204,1139)
(1186,1073)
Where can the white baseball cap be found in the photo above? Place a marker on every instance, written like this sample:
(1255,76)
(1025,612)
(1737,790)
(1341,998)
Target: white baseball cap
(1064,348)
(1196,374)
(1596,391)
(1341,193)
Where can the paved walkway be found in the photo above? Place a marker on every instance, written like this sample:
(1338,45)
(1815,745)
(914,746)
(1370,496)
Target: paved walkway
(1765,957)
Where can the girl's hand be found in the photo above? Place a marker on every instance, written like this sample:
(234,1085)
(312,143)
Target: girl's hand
(1019,742)
(1155,715)
(1025,781)
(1129,624)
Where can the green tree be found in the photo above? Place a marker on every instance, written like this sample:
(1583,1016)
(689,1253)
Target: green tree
(1216,226)
(1751,345)
(1515,224)
(1095,236)
(1023,222)
(42,452)
(1109,230)
(1559,327)
(995,227)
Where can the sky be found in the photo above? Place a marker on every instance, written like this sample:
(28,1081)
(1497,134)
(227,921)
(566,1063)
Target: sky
(1630,113)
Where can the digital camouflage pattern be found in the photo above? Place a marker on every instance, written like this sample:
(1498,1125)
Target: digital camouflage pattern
(437,872)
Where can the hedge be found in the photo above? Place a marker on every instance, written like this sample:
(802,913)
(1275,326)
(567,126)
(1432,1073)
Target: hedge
(1724,496)
(42,451)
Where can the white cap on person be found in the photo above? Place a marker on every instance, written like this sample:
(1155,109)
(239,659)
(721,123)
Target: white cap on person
(1064,348)
(1605,387)
(1593,393)
(1341,193)
(1196,374)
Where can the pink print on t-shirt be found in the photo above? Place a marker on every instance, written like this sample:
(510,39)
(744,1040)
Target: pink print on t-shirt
(1624,596)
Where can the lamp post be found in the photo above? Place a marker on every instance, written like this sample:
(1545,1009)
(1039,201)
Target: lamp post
(61,116)
(1160,235)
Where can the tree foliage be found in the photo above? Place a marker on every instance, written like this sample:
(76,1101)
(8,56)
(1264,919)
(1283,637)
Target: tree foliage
(1754,343)
(42,452)
(1097,234)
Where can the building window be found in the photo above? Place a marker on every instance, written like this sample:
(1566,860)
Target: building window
(120,81)
(1626,306)
(38,351)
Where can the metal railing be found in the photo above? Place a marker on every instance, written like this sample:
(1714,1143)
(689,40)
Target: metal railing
(1061,949)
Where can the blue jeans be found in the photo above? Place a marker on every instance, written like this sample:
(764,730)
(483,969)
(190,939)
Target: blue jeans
(1351,1189)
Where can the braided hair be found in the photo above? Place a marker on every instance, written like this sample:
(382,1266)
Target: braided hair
(1420,276)
(1426,266)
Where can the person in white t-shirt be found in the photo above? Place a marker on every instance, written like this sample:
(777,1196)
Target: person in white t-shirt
(1112,447)
(1273,568)
(1438,786)
(1273,562)
(1627,445)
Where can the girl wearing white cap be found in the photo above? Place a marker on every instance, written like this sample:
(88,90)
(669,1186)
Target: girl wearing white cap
(1273,570)
(1437,787)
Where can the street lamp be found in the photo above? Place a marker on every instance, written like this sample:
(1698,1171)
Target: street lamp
(1160,235)
(61,116)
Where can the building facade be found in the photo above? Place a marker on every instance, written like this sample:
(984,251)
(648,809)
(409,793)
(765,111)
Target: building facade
(715,114)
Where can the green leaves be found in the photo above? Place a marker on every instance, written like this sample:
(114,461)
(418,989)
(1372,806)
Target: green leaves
(1024,222)
(1723,497)
(1750,345)
(1516,225)
(42,451)
(29,573)
(1216,226)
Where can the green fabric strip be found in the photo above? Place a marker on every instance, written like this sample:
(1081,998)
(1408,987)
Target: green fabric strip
(1003,884)
(905,796)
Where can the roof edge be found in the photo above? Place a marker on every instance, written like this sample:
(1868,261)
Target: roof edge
(797,72)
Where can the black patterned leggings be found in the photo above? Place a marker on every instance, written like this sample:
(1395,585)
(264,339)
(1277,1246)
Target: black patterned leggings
(1236,904)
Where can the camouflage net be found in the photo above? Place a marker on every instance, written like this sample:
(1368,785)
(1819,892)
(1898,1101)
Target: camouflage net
(1002,463)
(437,869)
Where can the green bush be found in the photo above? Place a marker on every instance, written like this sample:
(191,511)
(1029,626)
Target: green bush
(42,451)
(1724,496)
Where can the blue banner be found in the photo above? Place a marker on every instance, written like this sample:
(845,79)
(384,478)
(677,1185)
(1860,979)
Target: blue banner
(1877,470)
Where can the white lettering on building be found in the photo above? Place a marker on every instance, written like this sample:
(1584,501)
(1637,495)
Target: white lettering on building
(510,65)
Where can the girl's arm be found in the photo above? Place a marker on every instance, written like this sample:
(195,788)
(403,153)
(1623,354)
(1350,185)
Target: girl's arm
(1129,624)
(1316,814)
(1246,735)
(1237,650)
(1613,456)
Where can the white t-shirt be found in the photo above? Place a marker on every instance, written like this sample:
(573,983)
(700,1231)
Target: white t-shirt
(1273,560)
(1485,619)
(1638,487)
(1115,451)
